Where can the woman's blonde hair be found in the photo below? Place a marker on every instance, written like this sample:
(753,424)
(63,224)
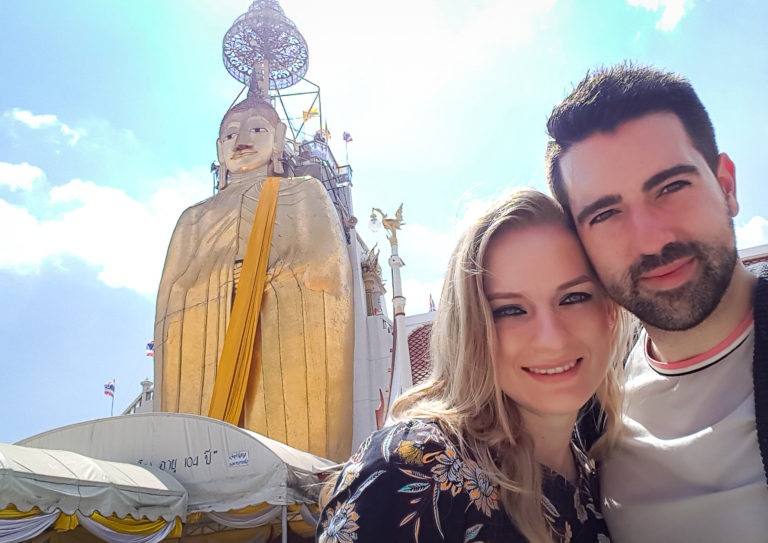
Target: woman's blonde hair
(463,394)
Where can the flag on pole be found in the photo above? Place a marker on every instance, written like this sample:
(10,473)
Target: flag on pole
(347,137)
(151,348)
(326,133)
(109,388)
(307,115)
(431,303)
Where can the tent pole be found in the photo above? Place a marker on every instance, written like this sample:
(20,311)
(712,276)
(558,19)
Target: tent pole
(285,524)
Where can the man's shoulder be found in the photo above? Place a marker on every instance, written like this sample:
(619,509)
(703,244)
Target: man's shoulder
(637,361)
(760,269)
(760,300)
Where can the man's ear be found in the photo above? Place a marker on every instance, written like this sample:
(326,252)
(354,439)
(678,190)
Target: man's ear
(726,177)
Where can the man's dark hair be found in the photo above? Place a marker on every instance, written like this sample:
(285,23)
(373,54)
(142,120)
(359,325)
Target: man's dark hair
(609,97)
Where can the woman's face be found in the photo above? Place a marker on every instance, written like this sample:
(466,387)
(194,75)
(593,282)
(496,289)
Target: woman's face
(552,319)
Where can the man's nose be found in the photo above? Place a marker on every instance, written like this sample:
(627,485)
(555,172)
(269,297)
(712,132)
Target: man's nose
(651,231)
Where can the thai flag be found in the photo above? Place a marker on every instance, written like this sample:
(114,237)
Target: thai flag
(347,137)
(151,348)
(109,388)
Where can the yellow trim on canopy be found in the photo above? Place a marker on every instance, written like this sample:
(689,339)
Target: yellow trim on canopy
(194,517)
(10,512)
(249,509)
(238,352)
(127,525)
(66,523)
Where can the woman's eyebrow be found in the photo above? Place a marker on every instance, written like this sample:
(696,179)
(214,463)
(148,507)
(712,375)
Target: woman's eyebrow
(502,294)
(576,281)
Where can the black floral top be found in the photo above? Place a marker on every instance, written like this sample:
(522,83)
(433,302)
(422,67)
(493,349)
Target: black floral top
(409,483)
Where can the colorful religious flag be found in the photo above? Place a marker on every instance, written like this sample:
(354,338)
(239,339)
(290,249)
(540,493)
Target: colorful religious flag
(432,304)
(327,134)
(347,137)
(307,115)
(151,348)
(109,388)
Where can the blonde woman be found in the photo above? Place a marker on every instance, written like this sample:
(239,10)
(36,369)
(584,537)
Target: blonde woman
(525,337)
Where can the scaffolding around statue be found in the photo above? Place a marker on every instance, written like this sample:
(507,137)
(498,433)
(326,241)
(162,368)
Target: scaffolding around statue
(264,49)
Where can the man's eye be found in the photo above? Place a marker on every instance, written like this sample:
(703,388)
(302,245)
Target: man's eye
(575,298)
(507,311)
(674,187)
(605,215)
(258,129)
(229,137)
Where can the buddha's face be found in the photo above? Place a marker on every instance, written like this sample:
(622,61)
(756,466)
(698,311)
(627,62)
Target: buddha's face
(247,141)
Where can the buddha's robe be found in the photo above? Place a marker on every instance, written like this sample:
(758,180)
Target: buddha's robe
(302,395)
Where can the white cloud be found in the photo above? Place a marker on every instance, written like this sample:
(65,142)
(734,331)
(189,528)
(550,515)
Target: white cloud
(672,11)
(72,134)
(753,233)
(32,120)
(438,62)
(123,237)
(36,121)
(417,295)
(20,251)
(20,176)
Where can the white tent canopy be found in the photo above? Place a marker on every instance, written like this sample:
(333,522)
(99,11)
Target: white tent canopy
(221,466)
(58,480)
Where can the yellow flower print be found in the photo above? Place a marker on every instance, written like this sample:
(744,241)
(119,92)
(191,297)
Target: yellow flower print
(411,452)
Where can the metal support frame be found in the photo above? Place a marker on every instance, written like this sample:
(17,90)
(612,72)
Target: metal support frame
(285,524)
(316,100)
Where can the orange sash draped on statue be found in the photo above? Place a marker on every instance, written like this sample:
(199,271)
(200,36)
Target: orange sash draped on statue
(238,352)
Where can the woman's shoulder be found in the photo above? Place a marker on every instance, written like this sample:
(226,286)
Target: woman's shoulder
(397,447)
(411,482)
(406,441)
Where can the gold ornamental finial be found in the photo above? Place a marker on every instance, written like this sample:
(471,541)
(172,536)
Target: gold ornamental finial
(390,225)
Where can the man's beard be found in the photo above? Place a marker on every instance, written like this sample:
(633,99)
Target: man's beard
(683,307)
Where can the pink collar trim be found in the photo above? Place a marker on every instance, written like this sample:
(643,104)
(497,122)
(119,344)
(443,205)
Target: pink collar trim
(708,357)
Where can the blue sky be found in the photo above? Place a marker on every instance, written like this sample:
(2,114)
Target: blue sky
(108,120)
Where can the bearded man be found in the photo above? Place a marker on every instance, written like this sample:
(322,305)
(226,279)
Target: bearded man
(633,159)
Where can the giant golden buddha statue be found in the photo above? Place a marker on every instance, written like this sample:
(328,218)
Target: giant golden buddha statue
(300,391)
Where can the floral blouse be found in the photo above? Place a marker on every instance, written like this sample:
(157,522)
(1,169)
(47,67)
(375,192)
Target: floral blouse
(409,483)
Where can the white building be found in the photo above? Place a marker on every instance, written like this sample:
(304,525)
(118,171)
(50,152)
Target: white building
(144,401)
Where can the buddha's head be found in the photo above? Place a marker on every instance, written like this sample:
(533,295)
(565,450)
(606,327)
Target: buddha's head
(251,137)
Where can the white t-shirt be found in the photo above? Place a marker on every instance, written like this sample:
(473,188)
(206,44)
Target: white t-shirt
(689,468)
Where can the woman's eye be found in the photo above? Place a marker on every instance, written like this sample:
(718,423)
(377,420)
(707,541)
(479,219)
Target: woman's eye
(575,298)
(507,311)
(674,186)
